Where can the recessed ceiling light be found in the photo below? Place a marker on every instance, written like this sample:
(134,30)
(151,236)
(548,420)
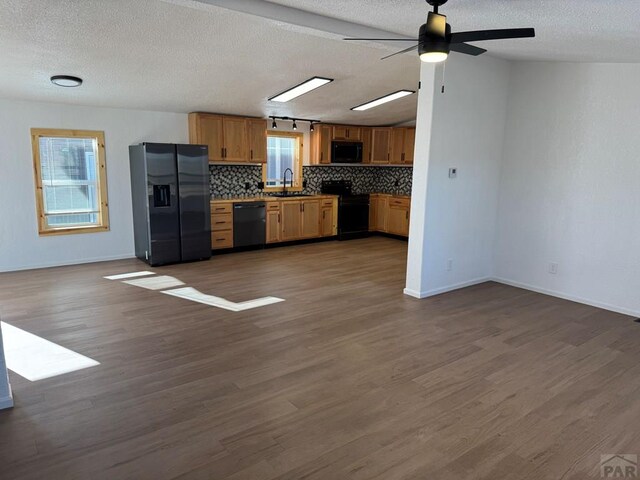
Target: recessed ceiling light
(385,99)
(304,87)
(66,81)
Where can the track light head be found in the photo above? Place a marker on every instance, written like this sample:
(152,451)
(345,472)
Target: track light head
(311,129)
(295,127)
(274,125)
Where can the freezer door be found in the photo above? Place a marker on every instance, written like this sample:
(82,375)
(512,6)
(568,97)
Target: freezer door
(195,209)
(162,192)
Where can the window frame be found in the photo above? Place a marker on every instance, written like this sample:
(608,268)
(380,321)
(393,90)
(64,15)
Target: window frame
(297,179)
(101,172)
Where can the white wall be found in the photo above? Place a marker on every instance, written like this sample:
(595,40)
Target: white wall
(456,218)
(6,399)
(20,245)
(570,184)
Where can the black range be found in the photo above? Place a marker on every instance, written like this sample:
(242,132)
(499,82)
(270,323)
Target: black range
(353,210)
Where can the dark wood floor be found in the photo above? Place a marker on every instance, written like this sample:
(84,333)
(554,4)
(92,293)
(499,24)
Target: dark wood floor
(347,379)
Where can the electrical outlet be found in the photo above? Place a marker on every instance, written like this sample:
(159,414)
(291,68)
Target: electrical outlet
(553,268)
(449,264)
(397,183)
(261,185)
(247,185)
(453,172)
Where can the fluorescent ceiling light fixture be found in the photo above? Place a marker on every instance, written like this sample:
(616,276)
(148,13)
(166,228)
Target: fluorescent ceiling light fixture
(304,87)
(387,98)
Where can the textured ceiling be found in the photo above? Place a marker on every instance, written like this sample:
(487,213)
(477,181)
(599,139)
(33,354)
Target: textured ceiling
(186,55)
(149,54)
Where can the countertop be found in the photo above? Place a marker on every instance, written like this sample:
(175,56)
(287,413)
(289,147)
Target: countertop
(270,198)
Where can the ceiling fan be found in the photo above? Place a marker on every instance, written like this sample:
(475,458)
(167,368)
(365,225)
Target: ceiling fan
(435,39)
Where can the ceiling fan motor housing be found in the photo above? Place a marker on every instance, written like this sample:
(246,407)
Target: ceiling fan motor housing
(428,42)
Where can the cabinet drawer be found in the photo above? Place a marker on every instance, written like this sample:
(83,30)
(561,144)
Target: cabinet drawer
(221,240)
(399,202)
(327,202)
(222,221)
(221,208)
(273,207)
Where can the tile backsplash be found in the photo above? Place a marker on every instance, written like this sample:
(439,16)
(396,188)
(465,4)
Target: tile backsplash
(232,180)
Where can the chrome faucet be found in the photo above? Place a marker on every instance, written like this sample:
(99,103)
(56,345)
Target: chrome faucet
(284,180)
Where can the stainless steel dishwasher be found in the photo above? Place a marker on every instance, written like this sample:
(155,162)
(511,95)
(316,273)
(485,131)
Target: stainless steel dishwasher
(249,224)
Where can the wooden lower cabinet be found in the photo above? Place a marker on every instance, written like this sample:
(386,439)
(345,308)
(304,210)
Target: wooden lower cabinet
(398,221)
(291,219)
(221,225)
(309,218)
(389,214)
(273,222)
(310,225)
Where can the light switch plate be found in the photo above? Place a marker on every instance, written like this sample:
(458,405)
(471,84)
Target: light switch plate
(453,172)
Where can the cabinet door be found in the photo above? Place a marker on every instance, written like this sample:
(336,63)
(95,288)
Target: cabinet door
(354,133)
(382,209)
(398,221)
(257,132)
(409,144)
(290,220)
(373,212)
(325,143)
(365,134)
(235,139)
(380,144)
(209,132)
(310,218)
(340,132)
(326,223)
(397,145)
(273,226)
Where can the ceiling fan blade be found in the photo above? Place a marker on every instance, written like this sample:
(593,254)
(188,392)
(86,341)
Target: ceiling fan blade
(466,48)
(436,24)
(385,39)
(415,47)
(480,35)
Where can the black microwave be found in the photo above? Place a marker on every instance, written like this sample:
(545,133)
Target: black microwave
(346,152)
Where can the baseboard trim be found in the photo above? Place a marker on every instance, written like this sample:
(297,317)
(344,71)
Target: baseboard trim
(449,288)
(565,296)
(72,262)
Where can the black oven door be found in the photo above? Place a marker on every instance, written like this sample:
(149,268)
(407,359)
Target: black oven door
(353,216)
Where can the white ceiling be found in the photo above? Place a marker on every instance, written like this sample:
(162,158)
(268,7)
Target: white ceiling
(187,55)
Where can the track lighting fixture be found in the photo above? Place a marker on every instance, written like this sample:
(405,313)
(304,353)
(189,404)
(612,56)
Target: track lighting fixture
(294,125)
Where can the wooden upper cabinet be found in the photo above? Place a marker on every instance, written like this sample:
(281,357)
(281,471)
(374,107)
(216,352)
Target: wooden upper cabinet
(235,139)
(409,144)
(206,129)
(257,133)
(402,145)
(229,138)
(380,144)
(365,136)
(321,144)
(346,132)
(397,145)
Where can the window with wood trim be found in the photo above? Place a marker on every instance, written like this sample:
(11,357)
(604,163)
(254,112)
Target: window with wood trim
(284,150)
(71,181)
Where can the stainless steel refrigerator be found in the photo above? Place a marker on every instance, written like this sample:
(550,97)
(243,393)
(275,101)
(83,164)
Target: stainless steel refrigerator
(170,195)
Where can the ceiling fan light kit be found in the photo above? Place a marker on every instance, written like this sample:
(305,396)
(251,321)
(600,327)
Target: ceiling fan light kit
(435,39)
